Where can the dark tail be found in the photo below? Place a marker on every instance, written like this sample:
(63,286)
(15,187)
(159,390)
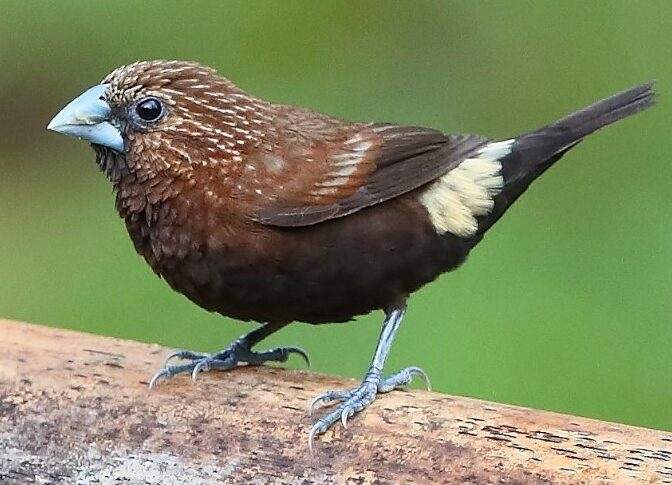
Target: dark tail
(533,153)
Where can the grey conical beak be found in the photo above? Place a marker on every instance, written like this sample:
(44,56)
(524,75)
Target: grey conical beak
(87,117)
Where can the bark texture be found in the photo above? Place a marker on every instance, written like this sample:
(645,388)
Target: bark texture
(75,408)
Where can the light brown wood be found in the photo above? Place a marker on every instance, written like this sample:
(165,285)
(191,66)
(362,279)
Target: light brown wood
(75,408)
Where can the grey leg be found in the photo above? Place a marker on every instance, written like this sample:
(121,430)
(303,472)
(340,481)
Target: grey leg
(355,400)
(239,352)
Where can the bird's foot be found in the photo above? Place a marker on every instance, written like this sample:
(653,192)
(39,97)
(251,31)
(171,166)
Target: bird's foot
(355,400)
(239,352)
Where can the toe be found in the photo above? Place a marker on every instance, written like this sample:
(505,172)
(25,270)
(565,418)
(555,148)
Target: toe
(354,401)
(183,355)
(345,414)
(202,365)
(328,397)
(402,379)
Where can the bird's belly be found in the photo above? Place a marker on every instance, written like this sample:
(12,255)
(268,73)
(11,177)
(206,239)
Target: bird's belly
(325,273)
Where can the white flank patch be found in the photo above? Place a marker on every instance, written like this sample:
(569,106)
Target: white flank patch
(497,149)
(466,192)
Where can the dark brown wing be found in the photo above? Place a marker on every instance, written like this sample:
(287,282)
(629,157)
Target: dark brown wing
(377,163)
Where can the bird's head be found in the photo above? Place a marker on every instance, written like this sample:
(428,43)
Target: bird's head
(164,117)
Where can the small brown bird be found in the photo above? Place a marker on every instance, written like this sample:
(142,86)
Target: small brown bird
(272,213)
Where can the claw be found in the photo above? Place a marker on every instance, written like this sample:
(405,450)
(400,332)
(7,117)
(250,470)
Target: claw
(182,354)
(422,375)
(162,374)
(311,437)
(327,397)
(313,402)
(299,351)
(201,366)
(347,412)
(417,371)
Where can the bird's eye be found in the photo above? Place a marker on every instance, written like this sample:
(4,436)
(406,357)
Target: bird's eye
(149,109)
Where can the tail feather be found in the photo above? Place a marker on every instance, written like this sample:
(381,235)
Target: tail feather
(533,153)
(607,111)
(539,146)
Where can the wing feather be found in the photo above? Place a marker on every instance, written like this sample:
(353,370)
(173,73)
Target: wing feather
(378,163)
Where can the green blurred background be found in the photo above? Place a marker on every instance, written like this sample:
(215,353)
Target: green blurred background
(565,306)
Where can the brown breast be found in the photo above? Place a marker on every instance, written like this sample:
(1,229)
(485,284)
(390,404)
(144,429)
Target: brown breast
(206,249)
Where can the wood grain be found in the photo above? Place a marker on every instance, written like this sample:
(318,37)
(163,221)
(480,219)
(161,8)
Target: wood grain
(75,408)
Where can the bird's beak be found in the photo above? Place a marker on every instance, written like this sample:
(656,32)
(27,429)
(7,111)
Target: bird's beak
(87,117)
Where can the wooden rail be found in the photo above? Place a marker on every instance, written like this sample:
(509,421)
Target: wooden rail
(75,408)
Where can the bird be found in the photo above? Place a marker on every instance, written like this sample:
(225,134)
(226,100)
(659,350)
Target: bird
(276,214)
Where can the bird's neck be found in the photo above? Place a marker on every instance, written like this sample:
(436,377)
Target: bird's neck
(154,206)
(168,215)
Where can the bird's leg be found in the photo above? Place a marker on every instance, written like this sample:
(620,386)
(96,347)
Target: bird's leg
(357,399)
(239,352)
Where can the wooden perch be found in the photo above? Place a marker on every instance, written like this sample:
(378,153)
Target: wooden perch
(75,408)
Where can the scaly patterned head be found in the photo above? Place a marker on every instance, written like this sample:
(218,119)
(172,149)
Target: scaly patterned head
(154,117)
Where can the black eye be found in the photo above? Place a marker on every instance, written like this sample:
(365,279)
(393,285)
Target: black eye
(149,109)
